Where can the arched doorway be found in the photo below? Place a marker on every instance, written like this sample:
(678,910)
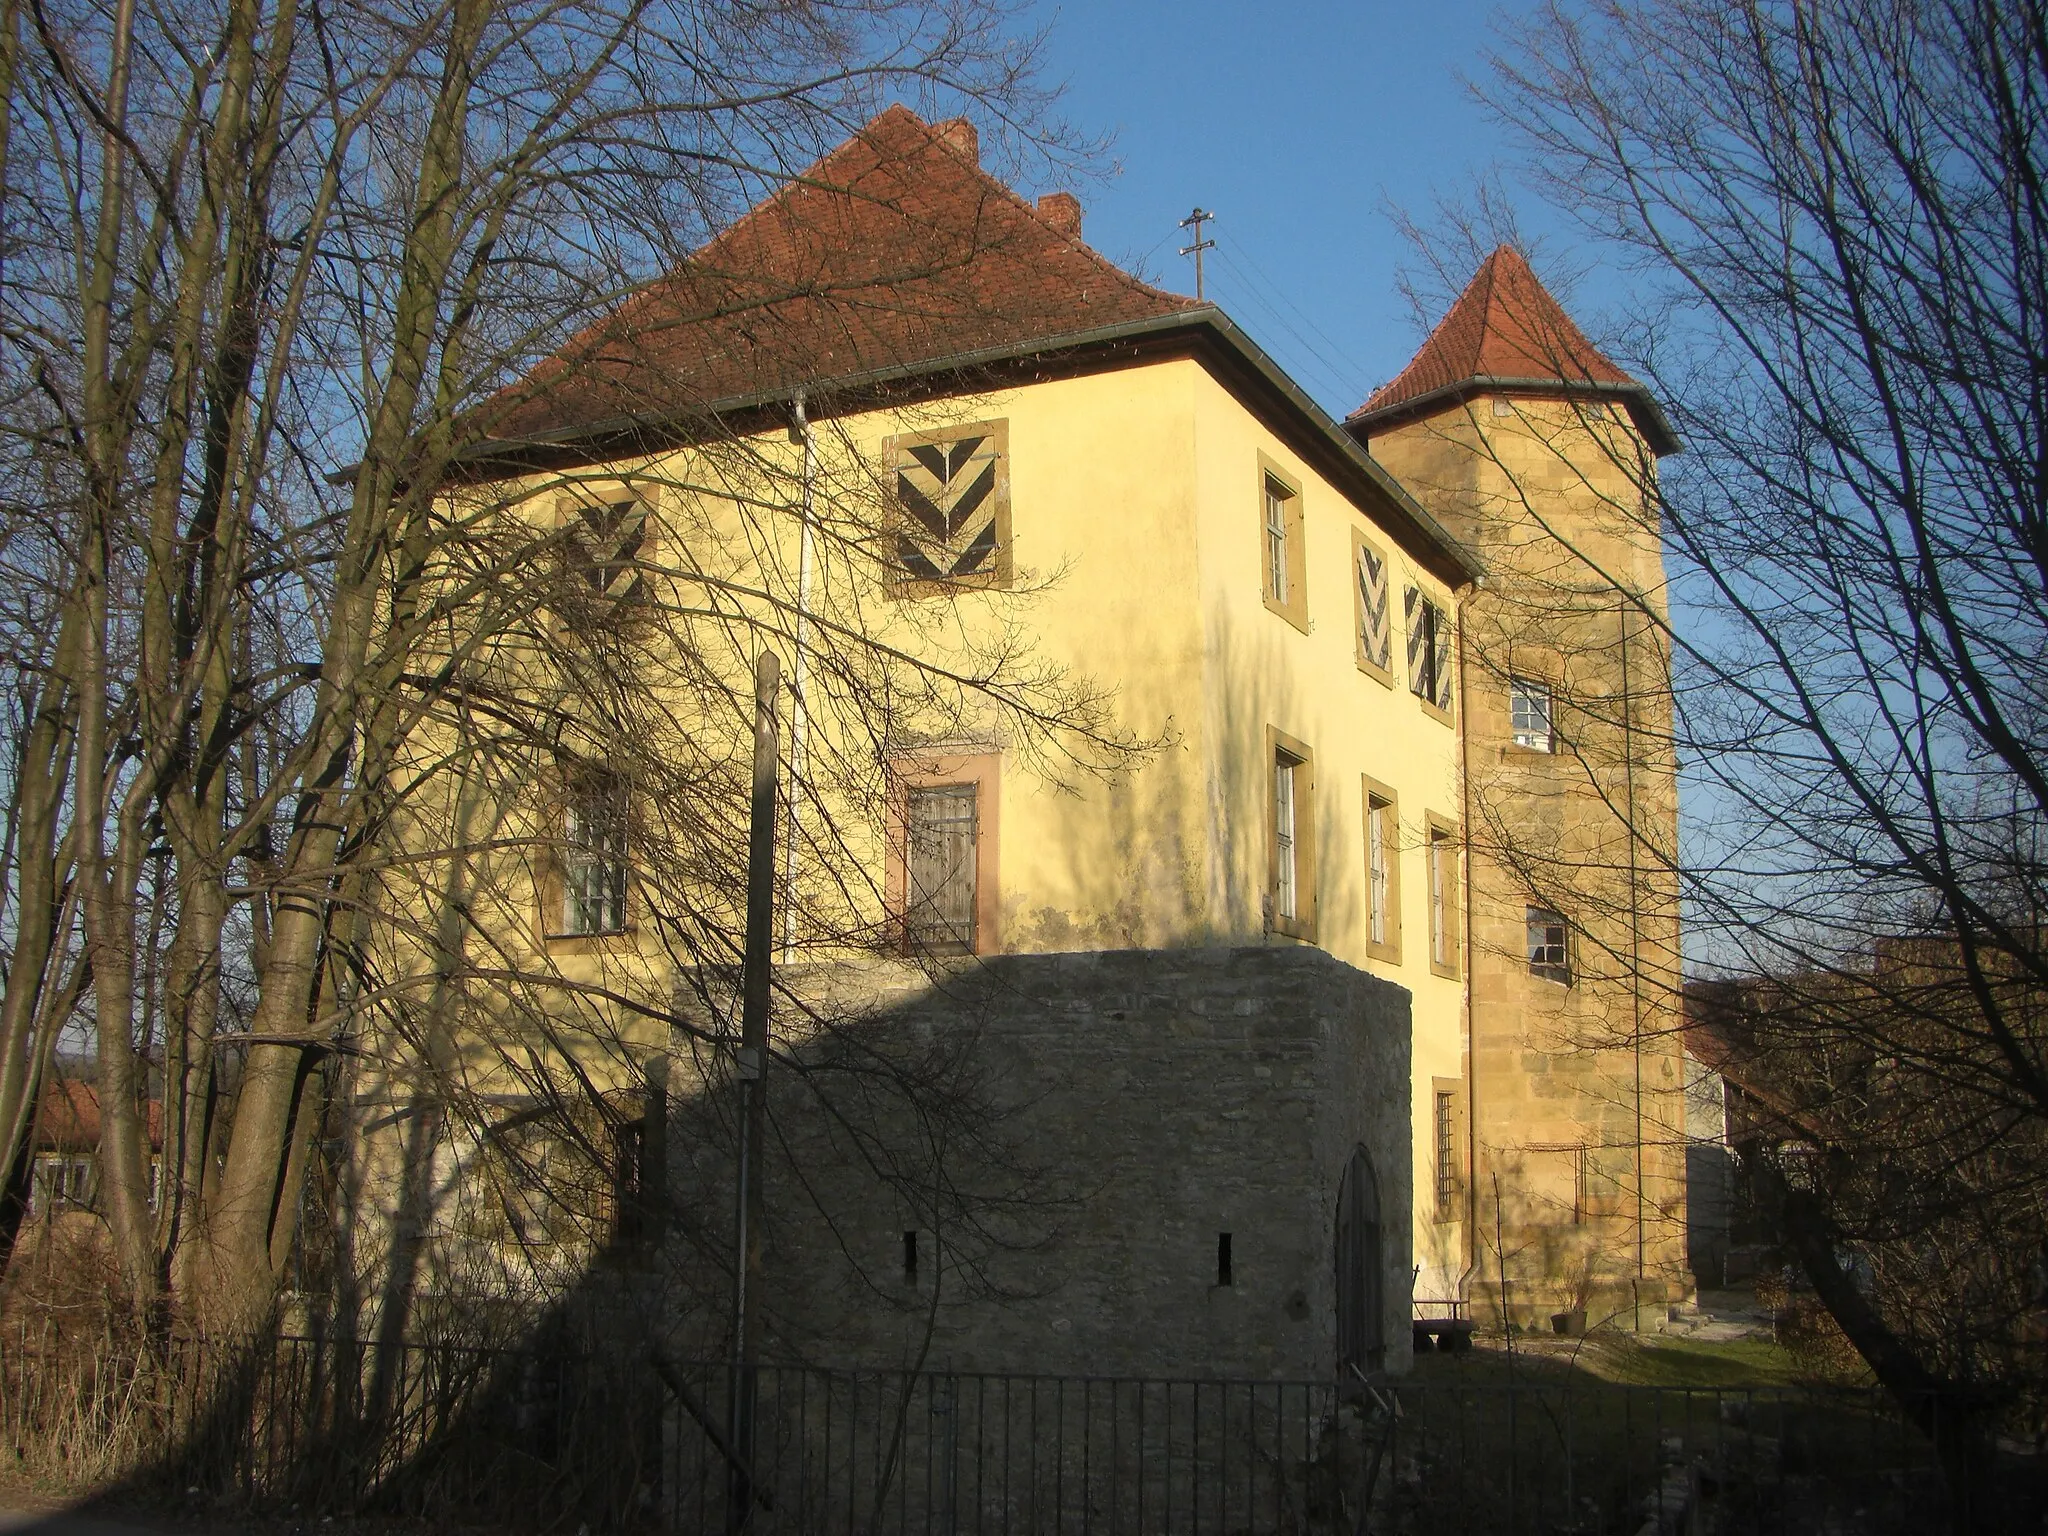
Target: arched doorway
(1361,1312)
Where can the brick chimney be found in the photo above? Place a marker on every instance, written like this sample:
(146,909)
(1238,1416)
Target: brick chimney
(959,133)
(1062,210)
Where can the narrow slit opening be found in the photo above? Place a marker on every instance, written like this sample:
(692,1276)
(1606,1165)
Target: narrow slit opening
(1223,1258)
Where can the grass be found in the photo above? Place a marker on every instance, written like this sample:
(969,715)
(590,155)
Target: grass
(1644,1360)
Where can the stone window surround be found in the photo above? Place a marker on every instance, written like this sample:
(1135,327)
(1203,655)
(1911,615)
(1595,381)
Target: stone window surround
(1001,571)
(1381,673)
(934,769)
(1294,609)
(550,892)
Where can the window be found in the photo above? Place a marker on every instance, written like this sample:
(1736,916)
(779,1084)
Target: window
(1429,649)
(593,898)
(1276,542)
(1290,894)
(1549,946)
(604,549)
(1446,1154)
(1529,711)
(1443,897)
(952,495)
(1382,872)
(1375,611)
(1285,896)
(1283,561)
(941,908)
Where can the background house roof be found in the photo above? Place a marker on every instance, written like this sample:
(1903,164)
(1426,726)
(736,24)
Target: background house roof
(896,249)
(1507,334)
(69,1118)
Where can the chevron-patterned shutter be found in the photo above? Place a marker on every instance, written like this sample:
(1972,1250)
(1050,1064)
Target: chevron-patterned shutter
(952,494)
(1375,638)
(1418,643)
(605,549)
(1440,635)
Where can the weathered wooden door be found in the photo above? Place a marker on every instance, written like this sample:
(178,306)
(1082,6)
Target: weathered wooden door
(1361,1312)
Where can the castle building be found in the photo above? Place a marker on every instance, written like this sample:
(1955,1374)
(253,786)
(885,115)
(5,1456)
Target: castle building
(1328,972)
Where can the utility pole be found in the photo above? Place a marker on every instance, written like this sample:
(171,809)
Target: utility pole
(1196,220)
(752,1067)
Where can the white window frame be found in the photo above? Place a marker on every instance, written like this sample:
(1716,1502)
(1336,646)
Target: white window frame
(1277,497)
(1532,714)
(1550,959)
(594,862)
(1286,852)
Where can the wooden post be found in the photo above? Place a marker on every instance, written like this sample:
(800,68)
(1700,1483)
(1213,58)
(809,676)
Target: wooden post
(752,1066)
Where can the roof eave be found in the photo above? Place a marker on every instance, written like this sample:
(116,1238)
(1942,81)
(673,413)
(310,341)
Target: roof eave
(1458,564)
(1642,406)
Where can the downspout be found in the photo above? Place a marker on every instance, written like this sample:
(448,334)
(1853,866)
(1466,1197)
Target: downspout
(799,725)
(1471,1044)
(1635,943)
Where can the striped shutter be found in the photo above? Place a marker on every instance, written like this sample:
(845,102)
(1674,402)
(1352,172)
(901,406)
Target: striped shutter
(1440,631)
(1411,619)
(606,543)
(948,493)
(1375,643)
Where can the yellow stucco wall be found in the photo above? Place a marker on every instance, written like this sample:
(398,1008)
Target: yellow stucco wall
(1136,520)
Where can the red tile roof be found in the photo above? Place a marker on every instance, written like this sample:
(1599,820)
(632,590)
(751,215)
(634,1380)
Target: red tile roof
(1507,334)
(893,251)
(69,1120)
(1505,325)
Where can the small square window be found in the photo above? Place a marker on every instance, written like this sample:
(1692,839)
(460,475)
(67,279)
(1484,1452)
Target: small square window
(1530,709)
(1549,946)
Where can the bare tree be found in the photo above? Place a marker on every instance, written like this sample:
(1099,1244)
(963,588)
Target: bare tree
(1835,216)
(248,246)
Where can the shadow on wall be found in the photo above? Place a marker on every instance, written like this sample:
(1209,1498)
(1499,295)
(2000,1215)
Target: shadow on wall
(1121,1163)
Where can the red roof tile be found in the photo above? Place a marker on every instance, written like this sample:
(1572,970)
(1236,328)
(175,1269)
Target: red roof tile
(69,1120)
(1505,325)
(893,251)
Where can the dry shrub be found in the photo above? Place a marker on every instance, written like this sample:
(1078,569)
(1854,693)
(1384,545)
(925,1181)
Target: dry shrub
(1808,1332)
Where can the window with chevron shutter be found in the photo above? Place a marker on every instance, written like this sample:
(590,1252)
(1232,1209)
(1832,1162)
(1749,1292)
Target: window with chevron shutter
(1429,649)
(1375,609)
(952,502)
(605,547)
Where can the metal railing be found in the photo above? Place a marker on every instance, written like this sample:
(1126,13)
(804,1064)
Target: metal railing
(560,1433)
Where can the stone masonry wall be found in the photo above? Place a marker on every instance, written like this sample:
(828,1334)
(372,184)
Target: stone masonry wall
(1068,1135)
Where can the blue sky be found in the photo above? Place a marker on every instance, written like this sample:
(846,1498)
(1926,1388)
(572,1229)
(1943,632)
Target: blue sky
(1294,124)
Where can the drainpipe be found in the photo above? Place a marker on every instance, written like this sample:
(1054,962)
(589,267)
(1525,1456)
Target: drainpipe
(799,725)
(1471,962)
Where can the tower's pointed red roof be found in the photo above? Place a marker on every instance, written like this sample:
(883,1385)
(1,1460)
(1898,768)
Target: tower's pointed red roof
(1506,332)
(894,251)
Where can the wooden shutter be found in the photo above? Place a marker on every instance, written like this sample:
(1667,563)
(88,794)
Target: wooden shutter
(941,863)
(1375,644)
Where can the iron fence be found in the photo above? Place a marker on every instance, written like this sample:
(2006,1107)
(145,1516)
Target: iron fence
(562,1431)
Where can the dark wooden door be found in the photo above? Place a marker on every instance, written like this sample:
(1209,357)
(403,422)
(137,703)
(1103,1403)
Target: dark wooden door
(1361,1312)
